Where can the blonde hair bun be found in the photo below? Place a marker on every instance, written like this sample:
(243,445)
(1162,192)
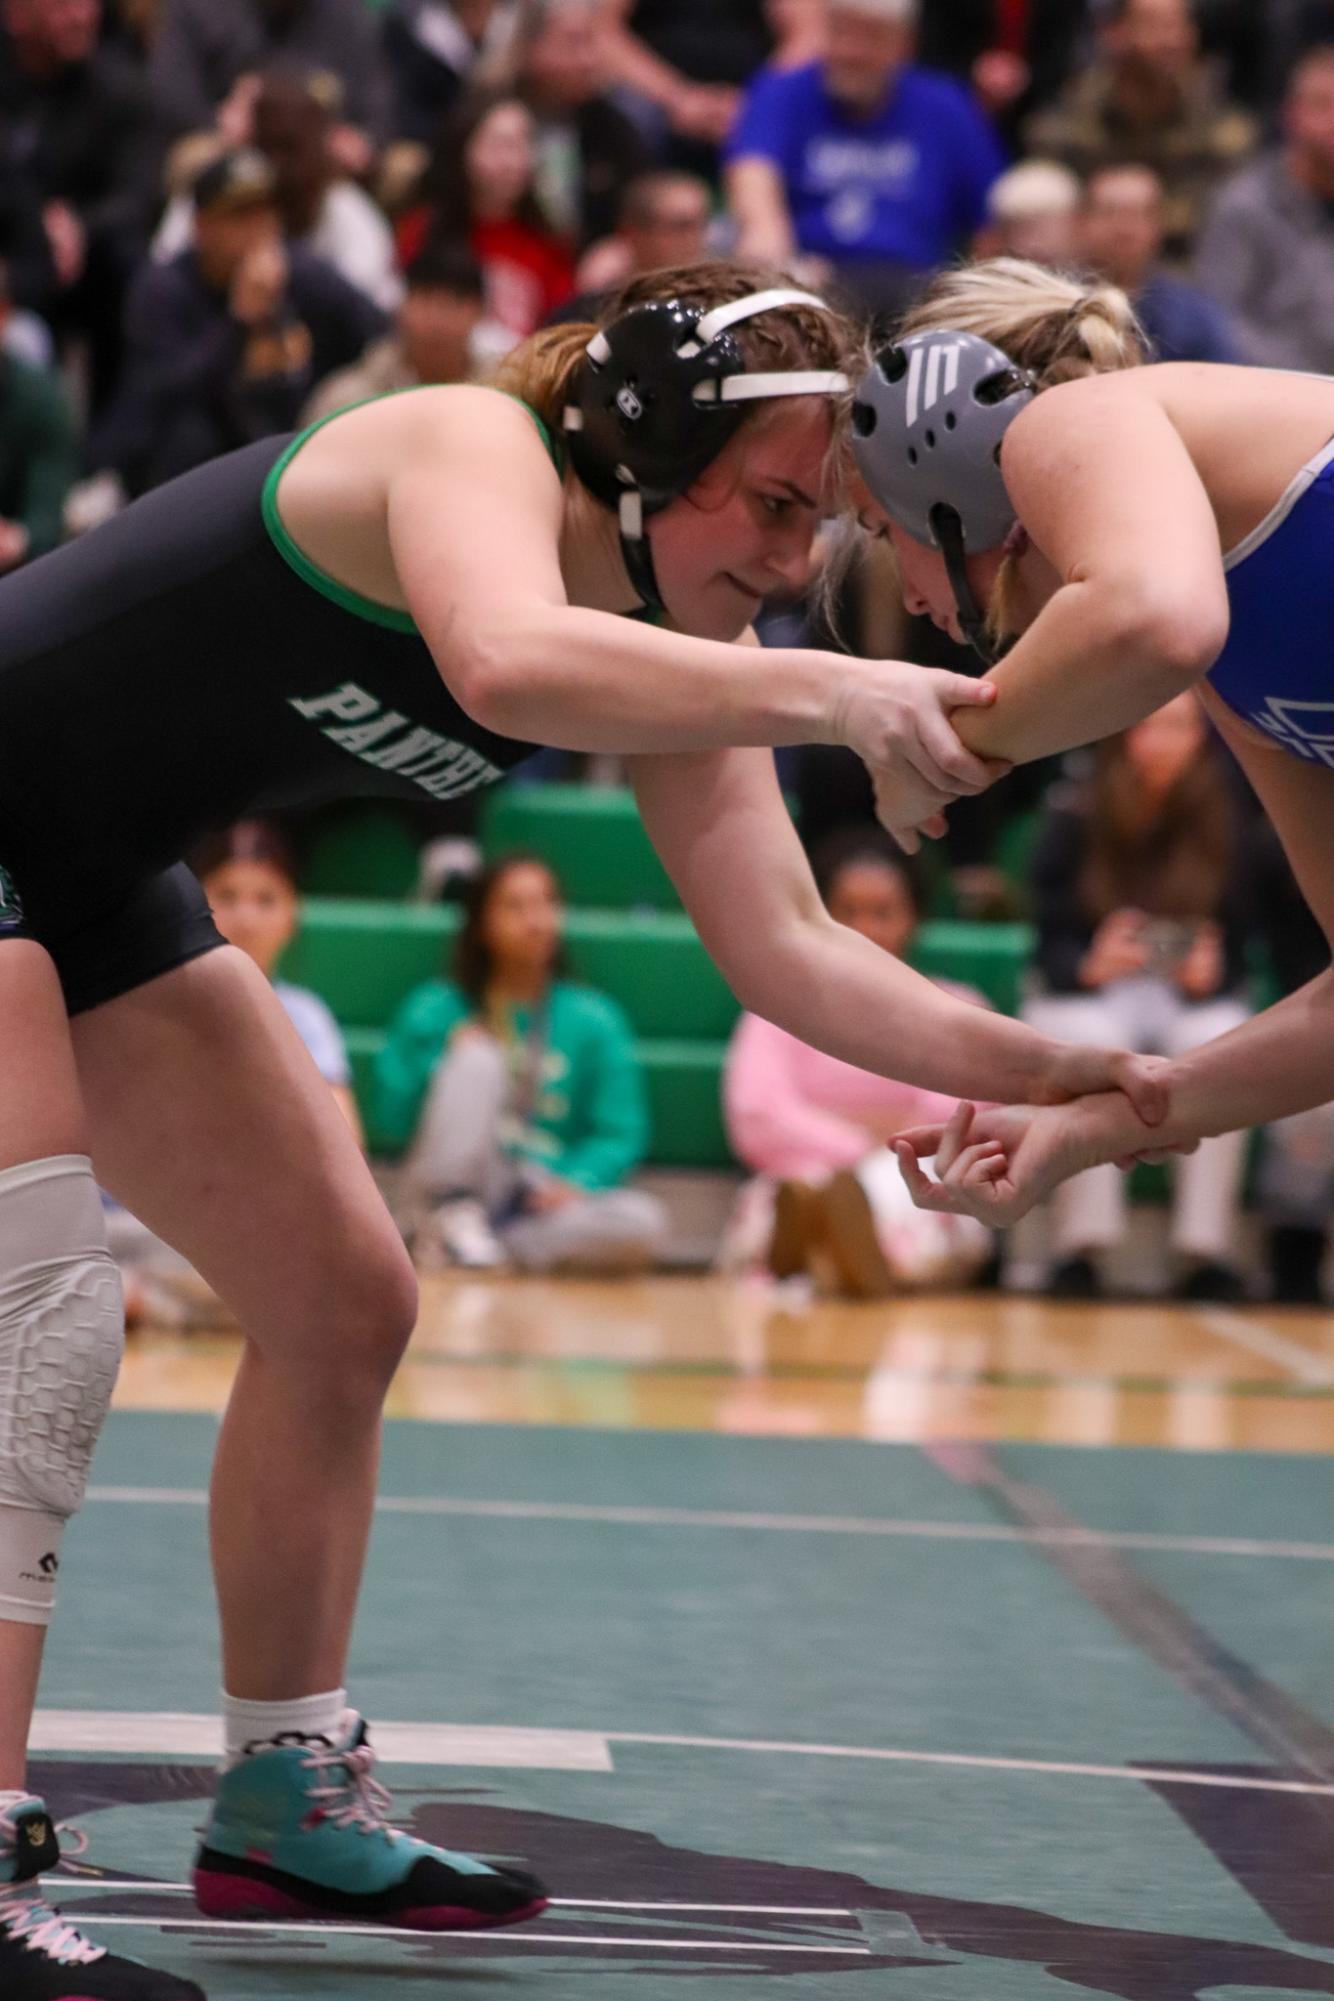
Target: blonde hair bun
(1056,324)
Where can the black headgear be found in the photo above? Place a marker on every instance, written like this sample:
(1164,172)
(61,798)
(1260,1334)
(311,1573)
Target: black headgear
(659,394)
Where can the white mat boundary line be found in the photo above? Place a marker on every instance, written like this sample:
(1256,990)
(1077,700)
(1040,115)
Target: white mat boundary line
(891,1527)
(508,1936)
(144,1732)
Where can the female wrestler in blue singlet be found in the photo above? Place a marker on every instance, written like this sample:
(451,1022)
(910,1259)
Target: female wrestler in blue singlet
(1127,532)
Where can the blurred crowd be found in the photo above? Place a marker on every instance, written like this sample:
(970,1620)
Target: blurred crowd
(222,219)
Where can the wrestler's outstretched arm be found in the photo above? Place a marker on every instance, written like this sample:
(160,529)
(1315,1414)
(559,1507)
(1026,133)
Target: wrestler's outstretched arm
(997,1164)
(719,822)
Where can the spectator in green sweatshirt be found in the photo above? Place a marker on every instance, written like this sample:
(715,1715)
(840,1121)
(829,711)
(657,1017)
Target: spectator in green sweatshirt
(521,1096)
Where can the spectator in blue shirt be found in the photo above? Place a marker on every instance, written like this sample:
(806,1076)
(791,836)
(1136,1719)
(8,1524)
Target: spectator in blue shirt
(1122,226)
(862,163)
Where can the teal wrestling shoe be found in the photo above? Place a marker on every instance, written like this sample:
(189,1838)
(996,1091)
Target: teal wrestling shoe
(300,1830)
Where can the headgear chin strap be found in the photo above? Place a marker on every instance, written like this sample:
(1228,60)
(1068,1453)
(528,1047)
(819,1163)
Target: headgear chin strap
(972,619)
(661,392)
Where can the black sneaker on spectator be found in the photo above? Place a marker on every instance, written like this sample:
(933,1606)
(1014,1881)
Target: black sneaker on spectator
(1212,1283)
(1296,1255)
(1074,1278)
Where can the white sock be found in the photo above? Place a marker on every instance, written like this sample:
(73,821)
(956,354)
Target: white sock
(8,1800)
(248,1726)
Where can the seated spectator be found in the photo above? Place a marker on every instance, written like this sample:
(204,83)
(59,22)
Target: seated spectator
(479,190)
(686,62)
(831,1200)
(1141,922)
(1295,1195)
(524,1095)
(1122,226)
(249,877)
(78,151)
(437,49)
(1017,56)
(207,59)
(322,209)
(433,340)
(1149,98)
(39,452)
(587,148)
(1033,212)
(1268,252)
(227,340)
(876,169)
(663,221)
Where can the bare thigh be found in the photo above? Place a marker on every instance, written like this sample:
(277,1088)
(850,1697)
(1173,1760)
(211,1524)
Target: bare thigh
(40,1110)
(208,1119)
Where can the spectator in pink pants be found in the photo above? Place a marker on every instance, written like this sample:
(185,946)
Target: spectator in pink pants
(829,1199)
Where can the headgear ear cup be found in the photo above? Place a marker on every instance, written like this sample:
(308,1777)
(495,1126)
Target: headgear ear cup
(928,424)
(660,393)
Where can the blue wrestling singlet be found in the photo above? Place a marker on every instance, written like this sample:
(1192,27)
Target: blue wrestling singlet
(1277,669)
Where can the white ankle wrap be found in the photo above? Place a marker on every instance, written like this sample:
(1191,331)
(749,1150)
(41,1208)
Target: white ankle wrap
(62,1330)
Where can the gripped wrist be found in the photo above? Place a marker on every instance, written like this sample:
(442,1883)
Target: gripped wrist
(839,690)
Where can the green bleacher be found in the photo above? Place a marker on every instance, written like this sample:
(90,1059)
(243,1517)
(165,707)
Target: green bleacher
(363,949)
(364,956)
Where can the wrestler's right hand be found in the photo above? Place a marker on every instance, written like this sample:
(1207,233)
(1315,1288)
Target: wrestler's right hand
(897,719)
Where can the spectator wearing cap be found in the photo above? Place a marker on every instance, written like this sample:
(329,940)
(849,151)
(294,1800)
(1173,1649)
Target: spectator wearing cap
(436,49)
(323,210)
(686,62)
(1268,252)
(587,148)
(78,161)
(873,166)
(664,221)
(1032,212)
(437,336)
(1017,54)
(227,339)
(38,451)
(1150,98)
(1121,228)
(207,59)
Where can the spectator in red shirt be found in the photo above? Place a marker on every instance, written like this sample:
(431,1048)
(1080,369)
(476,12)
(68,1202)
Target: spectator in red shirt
(479,190)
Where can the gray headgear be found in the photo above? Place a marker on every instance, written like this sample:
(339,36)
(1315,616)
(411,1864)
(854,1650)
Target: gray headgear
(928,423)
(927,428)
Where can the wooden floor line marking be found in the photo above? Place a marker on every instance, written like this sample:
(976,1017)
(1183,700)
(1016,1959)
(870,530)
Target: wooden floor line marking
(1243,1330)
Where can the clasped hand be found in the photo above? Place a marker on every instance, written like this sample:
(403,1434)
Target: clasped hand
(897,719)
(996,1162)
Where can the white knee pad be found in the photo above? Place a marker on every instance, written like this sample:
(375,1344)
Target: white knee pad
(62,1330)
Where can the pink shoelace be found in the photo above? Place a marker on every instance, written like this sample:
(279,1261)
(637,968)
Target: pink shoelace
(26,1916)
